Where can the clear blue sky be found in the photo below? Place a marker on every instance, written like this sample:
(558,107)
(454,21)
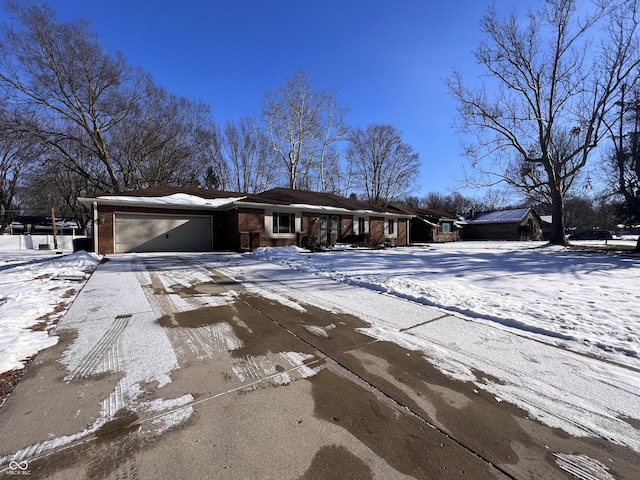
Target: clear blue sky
(386,59)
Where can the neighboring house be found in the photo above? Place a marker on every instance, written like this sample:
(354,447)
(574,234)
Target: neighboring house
(166,219)
(518,224)
(546,222)
(430,225)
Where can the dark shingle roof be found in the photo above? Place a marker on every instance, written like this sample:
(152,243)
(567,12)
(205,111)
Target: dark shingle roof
(285,196)
(426,212)
(165,191)
(275,196)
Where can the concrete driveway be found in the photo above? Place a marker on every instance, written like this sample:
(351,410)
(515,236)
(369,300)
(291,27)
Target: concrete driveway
(167,368)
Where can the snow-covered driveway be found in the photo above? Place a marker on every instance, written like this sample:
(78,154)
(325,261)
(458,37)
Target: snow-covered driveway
(143,326)
(586,302)
(575,392)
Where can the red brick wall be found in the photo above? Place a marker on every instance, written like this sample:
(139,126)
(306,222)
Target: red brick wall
(105,229)
(310,224)
(376,230)
(251,226)
(402,233)
(249,231)
(346,228)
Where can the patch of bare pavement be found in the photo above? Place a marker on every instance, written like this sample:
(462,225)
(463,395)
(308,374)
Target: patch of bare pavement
(204,379)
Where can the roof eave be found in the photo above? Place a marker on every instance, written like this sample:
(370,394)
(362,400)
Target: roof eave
(317,209)
(112,202)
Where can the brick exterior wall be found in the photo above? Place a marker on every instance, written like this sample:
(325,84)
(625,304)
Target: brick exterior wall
(376,230)
(440,237)
(244,228)
(106,220)
(402,232)
(346,226)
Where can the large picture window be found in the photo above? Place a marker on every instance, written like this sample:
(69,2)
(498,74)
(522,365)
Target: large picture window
(284,222)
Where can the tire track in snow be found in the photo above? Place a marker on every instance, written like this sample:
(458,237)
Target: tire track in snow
(582,467)
(208,340)
(115,401)
(99,351)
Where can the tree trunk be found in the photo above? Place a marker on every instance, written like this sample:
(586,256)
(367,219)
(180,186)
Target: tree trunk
(557,236)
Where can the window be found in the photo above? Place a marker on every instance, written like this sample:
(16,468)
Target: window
(362,225)
(446,227)
(284,222)
(391,227)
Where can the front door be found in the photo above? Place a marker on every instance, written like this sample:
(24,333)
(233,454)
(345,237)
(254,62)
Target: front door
(329,229)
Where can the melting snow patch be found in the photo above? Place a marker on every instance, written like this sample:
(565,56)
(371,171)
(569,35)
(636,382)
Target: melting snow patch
(161,404)
(225,335)
(297,360)
(256,290)
(582,467)
(171,419)
(317,331)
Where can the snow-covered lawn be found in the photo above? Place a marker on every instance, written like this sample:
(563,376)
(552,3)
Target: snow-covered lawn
(586,302)
(472,310)
(36,288)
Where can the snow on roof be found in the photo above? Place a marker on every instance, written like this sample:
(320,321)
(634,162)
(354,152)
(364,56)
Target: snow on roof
(200,197)
(303,206)
(501,216)
(181,199)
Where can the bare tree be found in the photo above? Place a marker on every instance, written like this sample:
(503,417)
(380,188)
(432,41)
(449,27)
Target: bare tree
(385,167)
(162,140)
(48,186)
(304,126)
(623,163)
(18,154)
(555,78)
(331,176)
(96,115)
(60,74)
(249,156)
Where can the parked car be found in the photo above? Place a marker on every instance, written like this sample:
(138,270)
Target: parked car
(592,235)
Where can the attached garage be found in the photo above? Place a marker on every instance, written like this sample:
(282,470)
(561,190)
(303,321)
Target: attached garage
(148,232)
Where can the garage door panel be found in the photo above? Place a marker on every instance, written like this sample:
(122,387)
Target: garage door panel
(162,233)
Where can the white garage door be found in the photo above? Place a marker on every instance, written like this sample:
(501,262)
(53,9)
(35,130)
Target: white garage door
(138,232)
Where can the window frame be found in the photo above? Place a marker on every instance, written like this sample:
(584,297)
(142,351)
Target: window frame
(271,227)
(391,226)
(277,224)
(357,219)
